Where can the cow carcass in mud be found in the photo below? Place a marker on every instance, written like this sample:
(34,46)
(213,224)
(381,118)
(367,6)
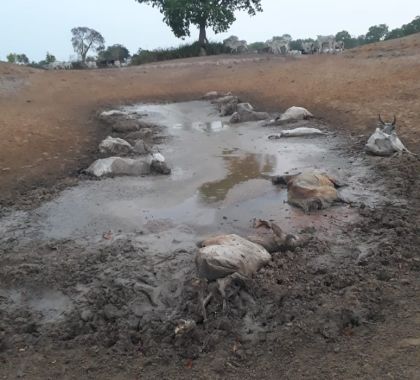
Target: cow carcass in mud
(385,141)
(292,114)
(227,105)
(297,132)
(115,146)
(272,237)
(212,95)
(126,122)
(119,166)
(311,190)
(225,255)
(245,112)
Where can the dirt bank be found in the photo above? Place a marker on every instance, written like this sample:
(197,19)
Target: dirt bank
(48,129)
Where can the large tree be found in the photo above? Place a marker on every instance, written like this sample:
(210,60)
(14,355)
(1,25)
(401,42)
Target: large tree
(85,39)
(115,52)
(215,14)
(377,33)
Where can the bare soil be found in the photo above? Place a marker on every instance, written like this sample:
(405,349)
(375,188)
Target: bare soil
(343,306)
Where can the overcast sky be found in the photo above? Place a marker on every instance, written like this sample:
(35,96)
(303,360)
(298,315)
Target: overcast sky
(34,27)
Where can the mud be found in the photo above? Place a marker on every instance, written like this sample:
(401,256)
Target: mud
(108,265)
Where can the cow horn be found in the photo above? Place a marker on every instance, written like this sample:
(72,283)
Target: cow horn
(380,120)
(395,121)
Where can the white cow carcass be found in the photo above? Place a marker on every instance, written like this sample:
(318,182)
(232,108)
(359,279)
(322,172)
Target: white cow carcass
(245,112)
(385,141)
(297,132)
(112,145)
(296,113)
(224,255)
(119,166)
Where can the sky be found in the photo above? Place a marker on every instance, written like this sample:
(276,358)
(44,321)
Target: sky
(34,27)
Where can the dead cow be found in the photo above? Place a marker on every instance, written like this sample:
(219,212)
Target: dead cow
(227,105)
(272,237)
(385,142)
(224,255)
(245,112)
(225,260)
(120,166)
(310,190)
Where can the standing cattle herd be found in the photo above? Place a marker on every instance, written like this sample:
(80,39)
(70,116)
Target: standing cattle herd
(278,45)
(281,46)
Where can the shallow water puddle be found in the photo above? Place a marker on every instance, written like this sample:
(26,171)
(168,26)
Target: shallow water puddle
(219,183)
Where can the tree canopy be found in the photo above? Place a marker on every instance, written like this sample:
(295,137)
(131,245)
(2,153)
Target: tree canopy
(17,58)
(49,58)
(85,39)
(377,33)
(115,52)
(218,15)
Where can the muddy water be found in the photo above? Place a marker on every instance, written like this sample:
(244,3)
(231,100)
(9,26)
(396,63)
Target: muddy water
(219,184)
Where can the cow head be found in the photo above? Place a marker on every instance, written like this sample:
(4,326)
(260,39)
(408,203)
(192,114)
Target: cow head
(387,128)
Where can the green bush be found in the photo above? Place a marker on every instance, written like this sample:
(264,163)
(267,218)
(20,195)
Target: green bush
(183,51)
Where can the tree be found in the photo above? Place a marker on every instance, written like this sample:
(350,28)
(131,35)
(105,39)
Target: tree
(377,33)
(18,58)
(12,58)
(412,27)
(343,36)
(49,58)
(85,39)
(115,52)
(22,59)
(395,33)
(218,15)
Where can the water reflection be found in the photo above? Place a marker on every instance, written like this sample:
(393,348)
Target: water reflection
(212,126)
(240,169)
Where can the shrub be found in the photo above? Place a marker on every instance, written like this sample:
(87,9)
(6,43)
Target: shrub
(256,46)
(183,51)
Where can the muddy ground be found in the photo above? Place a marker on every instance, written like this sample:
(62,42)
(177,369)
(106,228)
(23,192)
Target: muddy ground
(88,302)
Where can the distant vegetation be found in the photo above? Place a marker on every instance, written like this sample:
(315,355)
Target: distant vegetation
(18,58)
(405,30)
(115,52)
(85,40)
(183,51)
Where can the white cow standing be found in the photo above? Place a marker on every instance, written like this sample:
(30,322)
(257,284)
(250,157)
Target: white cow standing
(326,44)
(235,45)
(339,46)
(58,65)
(309,47)
(279,45)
